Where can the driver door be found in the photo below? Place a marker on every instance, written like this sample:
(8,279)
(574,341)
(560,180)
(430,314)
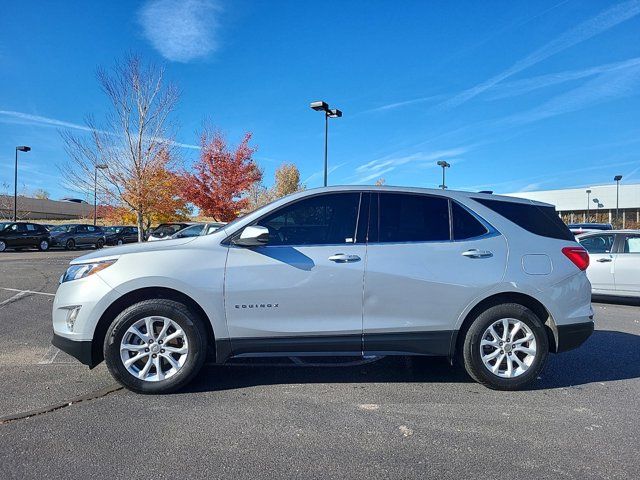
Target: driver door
(301,293)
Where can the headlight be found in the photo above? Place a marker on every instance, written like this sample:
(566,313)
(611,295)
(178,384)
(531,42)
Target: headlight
(76,272)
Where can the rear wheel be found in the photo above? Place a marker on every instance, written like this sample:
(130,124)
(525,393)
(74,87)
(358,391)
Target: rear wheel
(506,347)
(43,245)
(3,246)
(155,346)
(100,243)
(70,245)
(119,242)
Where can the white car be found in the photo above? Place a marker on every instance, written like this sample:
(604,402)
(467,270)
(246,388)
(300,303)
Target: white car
(497,282)
(615,262)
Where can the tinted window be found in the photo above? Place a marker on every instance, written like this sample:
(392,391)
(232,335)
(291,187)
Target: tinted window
(21,227)
(597,243)
(465,225)
(81,229)
(542,221)
(412,218)
(31,227)
(323,219)
(631,245)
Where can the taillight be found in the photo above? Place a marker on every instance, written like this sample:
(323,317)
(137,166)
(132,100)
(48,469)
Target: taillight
(578,256)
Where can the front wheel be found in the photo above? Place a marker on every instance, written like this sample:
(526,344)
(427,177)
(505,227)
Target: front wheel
(3,246)
(506,347)
(99,243)
(70,245)
(43,245)
(155,346)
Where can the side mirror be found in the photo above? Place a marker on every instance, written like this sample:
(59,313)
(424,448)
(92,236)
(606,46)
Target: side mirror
(253,237)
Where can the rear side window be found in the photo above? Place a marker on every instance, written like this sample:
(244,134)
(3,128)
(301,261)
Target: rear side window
(543,221)
(412,218)
(631,245)
(465,225)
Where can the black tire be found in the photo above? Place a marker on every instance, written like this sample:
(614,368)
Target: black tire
(70,244)
(188,321)
(43,246)
(3,246)
(471,351)
(99,243)
(119,242)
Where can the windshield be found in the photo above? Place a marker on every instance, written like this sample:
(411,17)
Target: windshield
(3,225)
(167,229)
(62,228)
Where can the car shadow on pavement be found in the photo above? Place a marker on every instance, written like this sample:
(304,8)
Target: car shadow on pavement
(606,356)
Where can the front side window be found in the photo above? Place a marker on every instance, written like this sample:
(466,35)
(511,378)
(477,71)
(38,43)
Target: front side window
(631,245)
(412,218)
(31,227)
(597,243)
(319,220)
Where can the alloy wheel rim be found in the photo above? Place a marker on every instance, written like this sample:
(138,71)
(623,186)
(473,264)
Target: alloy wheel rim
(2,246)
(154,348)
(44,245)
(508,348)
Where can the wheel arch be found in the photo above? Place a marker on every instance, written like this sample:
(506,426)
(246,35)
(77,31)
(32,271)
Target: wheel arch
(138,295)
(506,297)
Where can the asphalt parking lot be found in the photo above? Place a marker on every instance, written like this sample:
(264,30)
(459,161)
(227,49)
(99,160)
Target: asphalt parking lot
(379,418)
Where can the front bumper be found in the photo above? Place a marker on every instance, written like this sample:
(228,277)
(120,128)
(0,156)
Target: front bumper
(81,350)
(573,335)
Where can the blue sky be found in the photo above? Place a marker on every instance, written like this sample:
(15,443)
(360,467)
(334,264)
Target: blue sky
(516,95)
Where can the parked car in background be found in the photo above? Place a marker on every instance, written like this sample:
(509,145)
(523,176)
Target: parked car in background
(120,234)
(614,268)
(198,229)
(19,235)
(580,228)
(49,226)
(497,282)
(70,236)
(165,230)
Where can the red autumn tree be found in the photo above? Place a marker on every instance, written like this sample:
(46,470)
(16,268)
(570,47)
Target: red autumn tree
(222,177)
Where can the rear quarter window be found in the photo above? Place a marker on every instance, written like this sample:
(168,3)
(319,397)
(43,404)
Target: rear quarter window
(543,221)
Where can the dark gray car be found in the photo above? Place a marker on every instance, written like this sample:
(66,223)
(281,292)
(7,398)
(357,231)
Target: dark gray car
(70,236)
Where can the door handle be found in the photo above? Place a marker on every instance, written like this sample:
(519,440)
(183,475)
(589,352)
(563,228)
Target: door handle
(603,260)
(344,258)
(475,253)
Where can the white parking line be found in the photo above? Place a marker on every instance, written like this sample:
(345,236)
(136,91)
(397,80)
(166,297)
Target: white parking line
(25,292)
(50,356)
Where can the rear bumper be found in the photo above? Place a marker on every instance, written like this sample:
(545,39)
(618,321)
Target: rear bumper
(81,350)
(573,335)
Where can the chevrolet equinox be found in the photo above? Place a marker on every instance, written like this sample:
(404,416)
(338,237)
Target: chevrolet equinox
(496,282)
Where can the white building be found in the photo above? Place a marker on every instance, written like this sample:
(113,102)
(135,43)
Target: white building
(601,200)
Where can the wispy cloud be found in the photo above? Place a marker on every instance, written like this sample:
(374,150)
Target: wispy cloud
(604,87)
(21,118)
(393,106)
(181,30)
(600,23)
(387,164)
(520,87)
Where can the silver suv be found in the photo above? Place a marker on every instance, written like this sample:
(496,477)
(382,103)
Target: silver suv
(496,282)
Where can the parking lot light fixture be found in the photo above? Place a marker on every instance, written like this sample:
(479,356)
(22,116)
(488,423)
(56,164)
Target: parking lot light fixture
(444,165)
(321,106)
(21,148)
(99,166)
(617,179)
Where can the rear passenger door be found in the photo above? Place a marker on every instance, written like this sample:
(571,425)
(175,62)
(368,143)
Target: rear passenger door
(601,261)
(627,266)
(427,258)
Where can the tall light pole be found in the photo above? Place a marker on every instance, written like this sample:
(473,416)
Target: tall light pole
(588,194)
(444,165)
(321,106)
(99,166)
(617,179)
(598,205)
(22,148)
